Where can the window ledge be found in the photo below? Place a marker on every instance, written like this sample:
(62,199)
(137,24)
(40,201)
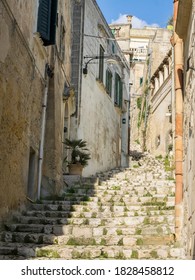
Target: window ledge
(118,109)
(100,83)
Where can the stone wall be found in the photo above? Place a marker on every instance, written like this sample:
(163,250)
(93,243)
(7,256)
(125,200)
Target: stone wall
(21,88)
(60,97)
(160,126)
(189,138)
(144,49)
(99,122)
(23,60)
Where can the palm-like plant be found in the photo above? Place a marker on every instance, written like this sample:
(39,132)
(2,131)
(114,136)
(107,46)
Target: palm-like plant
(79,151)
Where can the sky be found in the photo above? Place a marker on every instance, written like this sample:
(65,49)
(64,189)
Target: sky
(144,12)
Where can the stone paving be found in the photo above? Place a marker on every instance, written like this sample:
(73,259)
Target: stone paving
(120,214)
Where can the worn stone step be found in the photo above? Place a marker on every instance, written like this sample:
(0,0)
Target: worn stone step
(52,214)
(65,206)
(92,252)
(143,191)
(87,207)
(26,237)
(93,221)
(33,228)
(104,214)
(90,230)
(88,214)
(112,252)
(117,200)
(117,238)
(122,208)
(11,257)
(114,214)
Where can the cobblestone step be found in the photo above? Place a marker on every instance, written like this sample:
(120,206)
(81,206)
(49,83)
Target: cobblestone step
(117,200)
(93,252)
(119,214)
(94,221)
(115,238)
(107,213)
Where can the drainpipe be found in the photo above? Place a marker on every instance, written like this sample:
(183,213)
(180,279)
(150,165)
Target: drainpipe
(178,56)
(48,74)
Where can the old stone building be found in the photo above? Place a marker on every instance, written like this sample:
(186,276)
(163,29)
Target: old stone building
(144,49)
(35,74)
(101,89)
(184,47)
(160,127)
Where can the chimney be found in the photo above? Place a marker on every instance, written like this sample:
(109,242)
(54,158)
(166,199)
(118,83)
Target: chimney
(129,19)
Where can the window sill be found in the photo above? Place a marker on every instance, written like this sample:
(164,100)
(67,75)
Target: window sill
(100,83)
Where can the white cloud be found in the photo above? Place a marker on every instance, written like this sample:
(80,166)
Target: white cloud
(120,19)
(136,22)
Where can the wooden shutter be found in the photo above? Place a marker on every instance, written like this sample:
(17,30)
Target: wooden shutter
(101,64)
(116,89)
(44,14)
(120,93)
(46,24)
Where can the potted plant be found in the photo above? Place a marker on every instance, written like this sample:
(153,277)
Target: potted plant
(79,155)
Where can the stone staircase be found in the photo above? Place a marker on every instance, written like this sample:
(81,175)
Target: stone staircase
(120,214)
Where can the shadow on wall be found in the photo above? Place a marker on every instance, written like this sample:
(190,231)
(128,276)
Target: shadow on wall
(193,253)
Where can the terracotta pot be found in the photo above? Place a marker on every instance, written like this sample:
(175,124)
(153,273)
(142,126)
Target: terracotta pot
(75,169)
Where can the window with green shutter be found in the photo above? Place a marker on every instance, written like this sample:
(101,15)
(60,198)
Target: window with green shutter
(101,64)
(46,24)
(109,82)
(118,94)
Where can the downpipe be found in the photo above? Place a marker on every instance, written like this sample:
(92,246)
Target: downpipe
(48,74)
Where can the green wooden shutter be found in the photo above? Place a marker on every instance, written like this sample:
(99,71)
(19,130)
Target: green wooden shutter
(120,93)
(44,14)
(46,24)
(101,64)
(116,89)
(110,83)
(107,79)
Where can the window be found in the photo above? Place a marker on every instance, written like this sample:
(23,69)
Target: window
(47,17)
(109,82)
(101,64)
(118,94)
(62,38)
(113,48)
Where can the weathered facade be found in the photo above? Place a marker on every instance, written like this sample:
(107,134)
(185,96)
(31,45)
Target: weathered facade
(183,41)
(144,49)
(33,73)
(101,90)
(160,126)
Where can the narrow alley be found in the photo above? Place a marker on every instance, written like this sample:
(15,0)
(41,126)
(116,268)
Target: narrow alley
(120,214)
(97,130)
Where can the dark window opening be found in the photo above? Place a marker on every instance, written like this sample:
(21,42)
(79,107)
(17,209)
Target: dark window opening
(62,38)
(118,95)
(101,65)
(109,82)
